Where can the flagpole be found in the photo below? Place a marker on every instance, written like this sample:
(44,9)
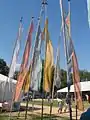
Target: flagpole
(28,92)
(19,38)
(39,20)
(69,10)
(44,3)
(65,49)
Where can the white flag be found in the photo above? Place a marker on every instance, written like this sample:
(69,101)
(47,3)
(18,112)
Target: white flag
(36,76)
(88,8)
(57,79)
(15,53)
(36,63)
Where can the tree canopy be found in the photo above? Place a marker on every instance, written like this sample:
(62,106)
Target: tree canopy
(84,74)
(4,69)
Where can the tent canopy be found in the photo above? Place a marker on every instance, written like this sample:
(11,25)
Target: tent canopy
(7,87)
(85,86)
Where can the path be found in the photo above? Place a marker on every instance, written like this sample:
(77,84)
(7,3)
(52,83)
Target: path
(54,111)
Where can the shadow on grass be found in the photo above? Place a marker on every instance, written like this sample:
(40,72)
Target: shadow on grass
(34,117)
(48,117)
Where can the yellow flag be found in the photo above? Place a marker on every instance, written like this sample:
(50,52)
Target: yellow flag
(27,82)
(48,61)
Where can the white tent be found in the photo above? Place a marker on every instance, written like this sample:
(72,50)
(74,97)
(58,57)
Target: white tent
(7,86)
(85,86)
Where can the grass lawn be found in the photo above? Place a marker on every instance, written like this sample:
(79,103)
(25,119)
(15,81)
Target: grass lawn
(46,103)
(35,117)
(55,104)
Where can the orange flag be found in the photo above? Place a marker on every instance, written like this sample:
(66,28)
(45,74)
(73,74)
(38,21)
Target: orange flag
(76,81)
(24,65)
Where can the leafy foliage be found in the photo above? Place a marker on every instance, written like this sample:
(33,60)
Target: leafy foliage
(16,75)
(4,69)
(84,74)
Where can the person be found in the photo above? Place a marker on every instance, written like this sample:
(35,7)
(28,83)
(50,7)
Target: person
(85,115)
(60,105)
(68,100)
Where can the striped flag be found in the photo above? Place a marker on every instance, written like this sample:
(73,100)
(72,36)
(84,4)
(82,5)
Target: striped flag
(76,81)
(47,83)
(57,79)
(88,8)
(27,81)
(36,63)
(24,65)
(72,63)
(15,52)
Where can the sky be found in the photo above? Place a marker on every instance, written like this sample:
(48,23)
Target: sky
(12,10)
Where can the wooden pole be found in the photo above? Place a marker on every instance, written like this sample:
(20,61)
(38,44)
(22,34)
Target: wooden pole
(76,112)
(42,107)
(44,3)
(69,11)
(27,105)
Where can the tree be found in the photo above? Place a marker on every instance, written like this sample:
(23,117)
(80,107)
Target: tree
(84,75)
(16,75)
(4,69)
(63,78)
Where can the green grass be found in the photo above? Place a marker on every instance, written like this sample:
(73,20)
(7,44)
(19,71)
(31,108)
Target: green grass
(46,116)
(45,103)
(55,103)
(86,104)
(35,117)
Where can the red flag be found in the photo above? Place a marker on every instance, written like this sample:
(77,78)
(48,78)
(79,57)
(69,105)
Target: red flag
(76,81)
(24,65)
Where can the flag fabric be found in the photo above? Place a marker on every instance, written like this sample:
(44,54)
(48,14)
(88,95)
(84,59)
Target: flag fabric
(24,65)
(72,63)
(36,76)
(57,79)
(67,21)
(36,62)
(13,62)
(76,81)
(48,61)
(88,8)
(15,52)
(69,49)
(26,84)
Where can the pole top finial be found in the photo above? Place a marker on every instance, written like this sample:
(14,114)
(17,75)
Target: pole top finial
(32,17)
(21,19)
(44,2)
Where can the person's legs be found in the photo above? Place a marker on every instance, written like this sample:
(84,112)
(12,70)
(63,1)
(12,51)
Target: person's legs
(65,107)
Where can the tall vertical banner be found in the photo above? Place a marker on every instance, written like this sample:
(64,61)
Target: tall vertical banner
(48,61)
(24,65)
(15,52)
(88,9)
(57,79)
(76,81)
(13,64)
(36,62)
(26,84)
(72,63)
